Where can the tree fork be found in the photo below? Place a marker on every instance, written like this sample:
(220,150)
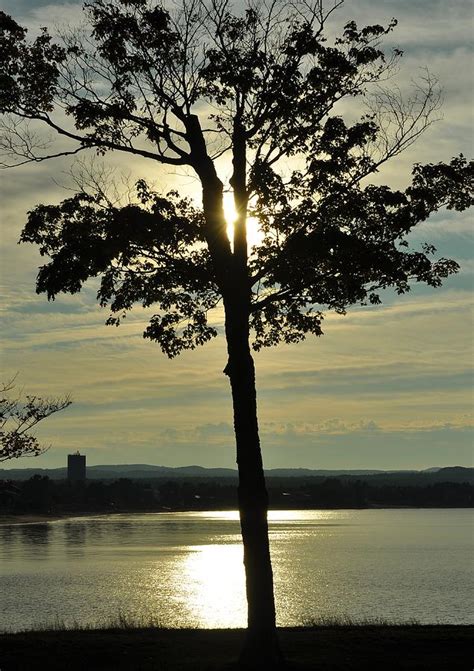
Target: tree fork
(212,201)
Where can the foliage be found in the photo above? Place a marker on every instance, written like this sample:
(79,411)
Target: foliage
(40,494)
(17,419)
(160,83)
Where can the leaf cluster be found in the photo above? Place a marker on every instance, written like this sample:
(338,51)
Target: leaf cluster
(341,244)
(151,252)
(29,72)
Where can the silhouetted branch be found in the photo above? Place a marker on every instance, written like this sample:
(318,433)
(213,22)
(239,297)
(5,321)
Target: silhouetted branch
(19,417)
(402,119)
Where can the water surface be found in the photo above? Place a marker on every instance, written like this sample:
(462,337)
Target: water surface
(185,569)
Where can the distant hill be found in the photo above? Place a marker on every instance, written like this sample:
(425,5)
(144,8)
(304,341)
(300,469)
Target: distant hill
(429,476)
(113,471)
(147,471)
(140,471)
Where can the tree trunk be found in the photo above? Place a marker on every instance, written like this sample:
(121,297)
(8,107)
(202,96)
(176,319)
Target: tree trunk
(261,648)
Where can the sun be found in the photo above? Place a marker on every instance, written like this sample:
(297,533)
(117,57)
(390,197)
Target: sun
(254,234)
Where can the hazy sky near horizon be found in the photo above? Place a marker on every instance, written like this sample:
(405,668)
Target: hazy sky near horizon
(385,387)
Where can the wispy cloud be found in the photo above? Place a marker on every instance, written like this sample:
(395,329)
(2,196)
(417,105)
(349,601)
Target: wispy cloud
(385,387)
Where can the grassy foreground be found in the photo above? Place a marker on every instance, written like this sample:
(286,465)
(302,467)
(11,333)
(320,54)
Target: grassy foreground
(344,647)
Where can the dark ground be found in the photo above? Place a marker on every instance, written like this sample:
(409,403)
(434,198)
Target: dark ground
(385,648)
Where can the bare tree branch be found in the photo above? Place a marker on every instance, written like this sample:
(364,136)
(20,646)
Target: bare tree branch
(19,416)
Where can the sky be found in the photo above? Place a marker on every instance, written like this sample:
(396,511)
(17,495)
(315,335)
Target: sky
(387,387)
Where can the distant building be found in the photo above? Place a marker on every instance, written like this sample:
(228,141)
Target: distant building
(76,467)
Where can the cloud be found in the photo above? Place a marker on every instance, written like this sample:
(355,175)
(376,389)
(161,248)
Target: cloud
(331,445)
(384,387)
(41,13)
(445,224)
(369,365)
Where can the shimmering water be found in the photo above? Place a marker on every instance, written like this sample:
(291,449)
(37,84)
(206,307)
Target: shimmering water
(185,569)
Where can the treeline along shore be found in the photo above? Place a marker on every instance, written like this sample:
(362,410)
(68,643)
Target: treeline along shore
(42,495)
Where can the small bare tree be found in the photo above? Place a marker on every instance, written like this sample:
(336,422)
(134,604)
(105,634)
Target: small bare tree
(19,416)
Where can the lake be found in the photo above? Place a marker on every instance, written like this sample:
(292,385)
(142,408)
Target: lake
(185,569)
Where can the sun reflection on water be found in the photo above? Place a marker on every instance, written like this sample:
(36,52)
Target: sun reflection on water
(273,515)
(213,577)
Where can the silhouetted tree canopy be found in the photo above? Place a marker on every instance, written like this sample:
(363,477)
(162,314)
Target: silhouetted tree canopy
(41,494)
(145,80)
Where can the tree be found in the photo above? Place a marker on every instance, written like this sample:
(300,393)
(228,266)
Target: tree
(18,418)
(265,81)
